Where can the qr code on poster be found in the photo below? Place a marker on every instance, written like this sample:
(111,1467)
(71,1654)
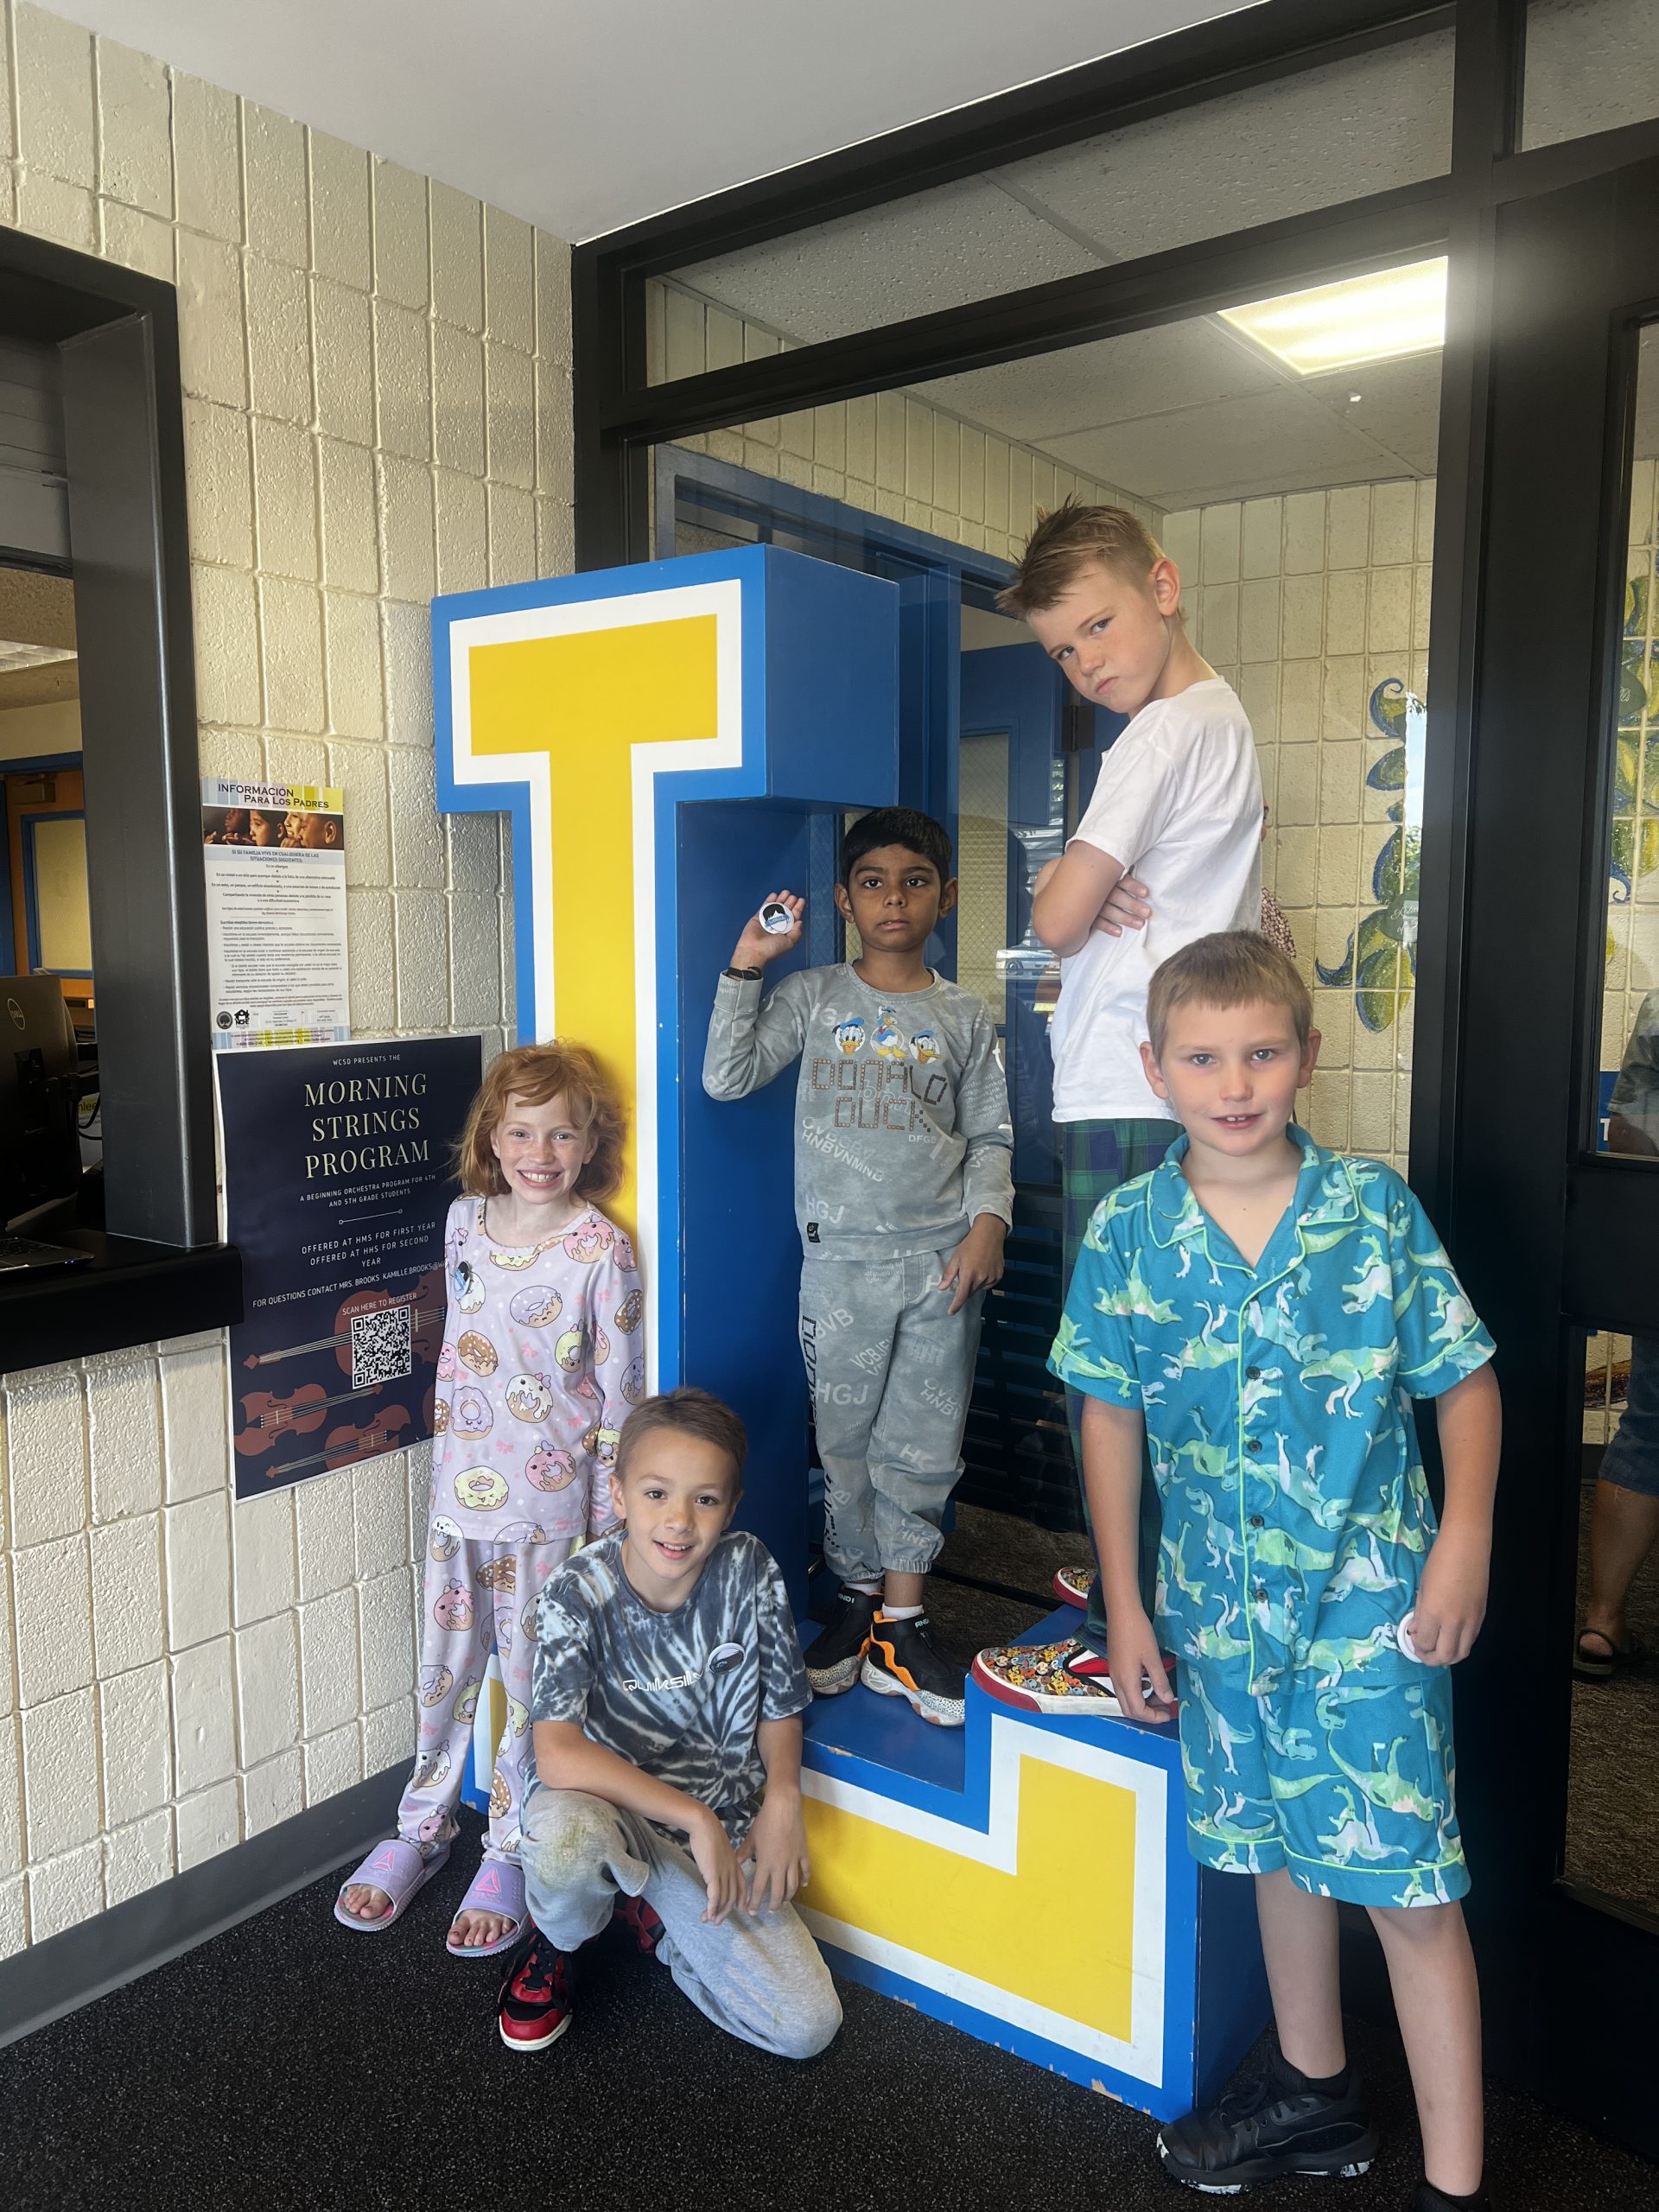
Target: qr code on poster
(381,1350)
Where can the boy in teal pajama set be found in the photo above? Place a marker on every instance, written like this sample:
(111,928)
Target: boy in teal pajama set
(1262,1312)
(1296,1519)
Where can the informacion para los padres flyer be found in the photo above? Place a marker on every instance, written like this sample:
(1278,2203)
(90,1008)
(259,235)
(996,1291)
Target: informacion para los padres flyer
(274,860)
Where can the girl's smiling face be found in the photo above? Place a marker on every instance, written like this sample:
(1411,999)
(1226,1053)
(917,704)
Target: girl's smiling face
(541,1151)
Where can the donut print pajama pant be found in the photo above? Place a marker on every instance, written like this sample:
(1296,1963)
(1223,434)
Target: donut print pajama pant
(480,1599)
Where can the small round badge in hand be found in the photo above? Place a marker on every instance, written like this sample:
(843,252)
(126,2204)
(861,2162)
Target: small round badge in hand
(776,918)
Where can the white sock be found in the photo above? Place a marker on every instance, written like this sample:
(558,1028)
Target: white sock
(901,1612)
(866,1589)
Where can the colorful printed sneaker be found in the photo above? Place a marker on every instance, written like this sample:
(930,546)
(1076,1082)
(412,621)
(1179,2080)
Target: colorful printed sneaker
(645,1920)
(535,2006)
(834,1656)
(1064,1677)
(902,1662)
(1278,2125)
(1073,1584)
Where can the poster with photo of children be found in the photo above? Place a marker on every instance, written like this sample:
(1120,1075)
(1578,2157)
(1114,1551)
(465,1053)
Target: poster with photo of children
(275,862)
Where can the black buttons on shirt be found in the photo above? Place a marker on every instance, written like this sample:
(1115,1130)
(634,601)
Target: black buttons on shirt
(1254,1374)
(1257,1522)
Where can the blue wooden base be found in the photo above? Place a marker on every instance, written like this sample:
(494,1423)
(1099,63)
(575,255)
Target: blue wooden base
(1027,1880)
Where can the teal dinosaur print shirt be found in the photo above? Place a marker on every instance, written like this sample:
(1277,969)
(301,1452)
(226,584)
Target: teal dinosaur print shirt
(1277,1401)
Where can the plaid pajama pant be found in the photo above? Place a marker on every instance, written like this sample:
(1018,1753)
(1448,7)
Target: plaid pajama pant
(1094,1157)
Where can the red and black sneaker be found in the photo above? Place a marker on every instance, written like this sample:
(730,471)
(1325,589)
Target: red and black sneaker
(536,2004)
(644,1919)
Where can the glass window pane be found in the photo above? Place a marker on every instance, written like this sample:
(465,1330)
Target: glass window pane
(1335,132)
(1612,1793)
(1629,1101)
(1300,509)
(1591,64)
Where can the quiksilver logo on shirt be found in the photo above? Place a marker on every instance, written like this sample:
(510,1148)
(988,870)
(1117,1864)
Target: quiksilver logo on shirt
(665,1682)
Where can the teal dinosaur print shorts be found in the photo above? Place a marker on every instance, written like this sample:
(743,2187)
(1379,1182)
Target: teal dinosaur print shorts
(1278,1399)
(1344,1778)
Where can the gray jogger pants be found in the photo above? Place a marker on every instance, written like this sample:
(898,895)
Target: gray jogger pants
(891,1369)
(758,1974)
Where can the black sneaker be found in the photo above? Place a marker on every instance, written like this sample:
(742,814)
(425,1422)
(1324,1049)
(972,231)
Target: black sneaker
(902,1662)
(834,1656)
(1276,2125)
(535,2006)
(1430,2199)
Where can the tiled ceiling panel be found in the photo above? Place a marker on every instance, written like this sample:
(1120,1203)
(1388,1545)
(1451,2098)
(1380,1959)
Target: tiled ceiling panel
(1361,124)
(1399,406)
(1279,440)
(1114,380)
(943,248)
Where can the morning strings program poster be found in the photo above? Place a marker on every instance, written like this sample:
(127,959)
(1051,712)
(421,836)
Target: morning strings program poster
(339,1172)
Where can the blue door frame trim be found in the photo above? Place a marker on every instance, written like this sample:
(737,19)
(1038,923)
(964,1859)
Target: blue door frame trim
(933,575)
(31,899)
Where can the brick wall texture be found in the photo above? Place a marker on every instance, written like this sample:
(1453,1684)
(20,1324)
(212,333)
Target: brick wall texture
(377,375)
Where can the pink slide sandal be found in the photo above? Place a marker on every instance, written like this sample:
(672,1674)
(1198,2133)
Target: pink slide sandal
(498,1887)
(398,1868)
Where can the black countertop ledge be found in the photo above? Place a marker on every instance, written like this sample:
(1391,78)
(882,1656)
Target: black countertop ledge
(128,1293)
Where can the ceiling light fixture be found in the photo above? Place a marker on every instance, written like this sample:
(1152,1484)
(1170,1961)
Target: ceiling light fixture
(14,655)
(1382,317)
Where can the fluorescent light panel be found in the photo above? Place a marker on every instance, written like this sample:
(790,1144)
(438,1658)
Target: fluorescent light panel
(1383,317)
(14,655)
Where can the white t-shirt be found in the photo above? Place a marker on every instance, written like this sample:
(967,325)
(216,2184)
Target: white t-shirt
(1180,803)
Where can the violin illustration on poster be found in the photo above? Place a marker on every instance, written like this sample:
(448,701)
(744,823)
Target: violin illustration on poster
(339,1174)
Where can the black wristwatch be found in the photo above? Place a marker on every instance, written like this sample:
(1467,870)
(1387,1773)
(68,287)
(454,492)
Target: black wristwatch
(742,975)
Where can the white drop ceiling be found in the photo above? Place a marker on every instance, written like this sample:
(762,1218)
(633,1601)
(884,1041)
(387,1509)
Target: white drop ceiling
(584,114)
(1187,413)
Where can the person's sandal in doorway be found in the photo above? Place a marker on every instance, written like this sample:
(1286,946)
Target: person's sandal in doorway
(1601,1665)
(398,1869)
(497,1888)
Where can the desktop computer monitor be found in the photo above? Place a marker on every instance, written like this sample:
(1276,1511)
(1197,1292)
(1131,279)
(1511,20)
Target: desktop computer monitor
(40,1147)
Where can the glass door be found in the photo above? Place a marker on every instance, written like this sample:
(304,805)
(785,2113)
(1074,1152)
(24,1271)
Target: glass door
(1554,1201)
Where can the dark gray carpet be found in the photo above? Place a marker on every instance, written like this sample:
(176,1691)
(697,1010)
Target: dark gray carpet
(291,2067)
(291,2064)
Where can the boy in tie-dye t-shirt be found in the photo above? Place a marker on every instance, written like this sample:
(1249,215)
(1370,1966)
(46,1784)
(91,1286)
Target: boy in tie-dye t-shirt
(666,1722)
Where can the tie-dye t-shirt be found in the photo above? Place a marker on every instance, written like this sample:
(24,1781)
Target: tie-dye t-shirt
(543,1357)
(681,1695)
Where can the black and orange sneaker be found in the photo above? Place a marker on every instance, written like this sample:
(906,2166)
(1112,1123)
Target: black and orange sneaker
(535,2006)
(834,1657)
(902,1662)
(645,1920)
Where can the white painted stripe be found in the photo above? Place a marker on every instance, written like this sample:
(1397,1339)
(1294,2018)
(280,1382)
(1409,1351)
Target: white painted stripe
(1012,1741)
(724,601)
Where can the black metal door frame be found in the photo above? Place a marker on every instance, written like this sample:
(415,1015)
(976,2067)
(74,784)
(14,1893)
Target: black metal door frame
(1543,1231)
(1552,1238)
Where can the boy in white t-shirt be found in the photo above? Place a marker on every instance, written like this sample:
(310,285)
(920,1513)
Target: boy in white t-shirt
(1174,824)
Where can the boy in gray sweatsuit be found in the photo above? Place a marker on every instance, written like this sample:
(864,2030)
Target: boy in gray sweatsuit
(903,1196)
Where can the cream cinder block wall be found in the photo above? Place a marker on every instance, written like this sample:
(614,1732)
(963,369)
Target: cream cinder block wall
(889,454)
(377,378)
(1305,604)
(29,732)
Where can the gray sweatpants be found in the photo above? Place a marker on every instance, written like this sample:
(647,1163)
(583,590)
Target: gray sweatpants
(758,1974)
(891,1369)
